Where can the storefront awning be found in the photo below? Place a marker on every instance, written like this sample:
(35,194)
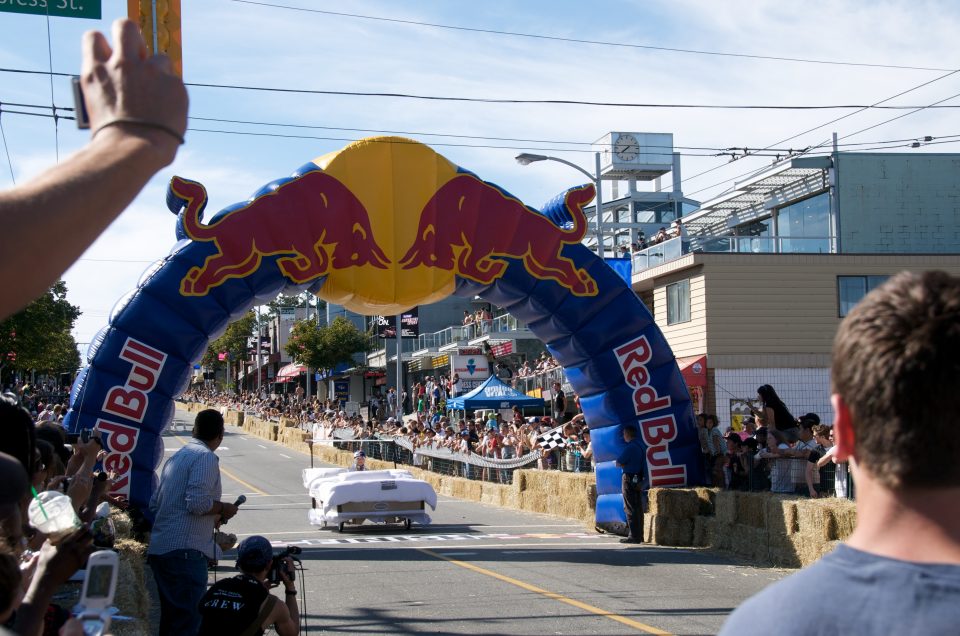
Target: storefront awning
(290,371)
(694,370)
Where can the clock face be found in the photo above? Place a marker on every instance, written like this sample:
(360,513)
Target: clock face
(627,148)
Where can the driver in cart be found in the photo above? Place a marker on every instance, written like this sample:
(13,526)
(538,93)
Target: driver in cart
(358,461)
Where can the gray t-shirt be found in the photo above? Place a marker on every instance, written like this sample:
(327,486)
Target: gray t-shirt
(854,592)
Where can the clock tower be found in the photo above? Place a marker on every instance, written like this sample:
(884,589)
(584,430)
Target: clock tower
(636,156)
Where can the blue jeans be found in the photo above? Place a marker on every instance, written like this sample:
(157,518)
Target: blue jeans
(181,577)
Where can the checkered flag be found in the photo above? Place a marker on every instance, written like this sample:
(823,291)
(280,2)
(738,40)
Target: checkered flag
(551,439)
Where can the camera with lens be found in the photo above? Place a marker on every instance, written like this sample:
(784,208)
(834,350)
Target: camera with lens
(279,564)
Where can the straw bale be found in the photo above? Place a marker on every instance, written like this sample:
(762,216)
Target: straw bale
(781,518)
(649,535)
(844,514)
(725,506)
(751,509)
(534,502)
(472,490)
(815,520)
(707,499)
(674,503)
(808,549)
(520,479)
(702,537)
(784,557)
(131,596)
(750,542)
(668,531)
(720,533)
(511,499)
(122,523)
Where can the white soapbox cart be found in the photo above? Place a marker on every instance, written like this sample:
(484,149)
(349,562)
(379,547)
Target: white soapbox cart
(342,497)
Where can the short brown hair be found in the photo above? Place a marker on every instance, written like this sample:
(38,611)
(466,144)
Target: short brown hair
(896,359)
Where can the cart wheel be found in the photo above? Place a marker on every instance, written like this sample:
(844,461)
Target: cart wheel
(340,527)
(406,524)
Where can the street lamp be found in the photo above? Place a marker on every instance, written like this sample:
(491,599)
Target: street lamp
(526,158)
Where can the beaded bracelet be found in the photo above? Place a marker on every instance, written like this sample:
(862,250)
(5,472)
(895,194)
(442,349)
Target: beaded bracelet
(146,124)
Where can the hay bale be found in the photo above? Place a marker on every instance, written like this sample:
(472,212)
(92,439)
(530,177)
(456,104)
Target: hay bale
(701,531)
(725,506)
(751,509)
(815,520)
(707,499)
(672,532)
(674,503)
(122,523)
(131,596)
(720,533)
(750,542)
(649,535)
(808,549)
(844,514)
(784,557)
(781,520)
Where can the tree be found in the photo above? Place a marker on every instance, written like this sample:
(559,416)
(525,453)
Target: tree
(324,348)
(300,300)
(234,343)
(38,338)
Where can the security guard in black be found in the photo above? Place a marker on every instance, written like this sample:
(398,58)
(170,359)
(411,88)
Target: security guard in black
(633,463)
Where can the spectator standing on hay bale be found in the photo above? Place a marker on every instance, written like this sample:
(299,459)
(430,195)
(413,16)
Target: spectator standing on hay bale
(896,358)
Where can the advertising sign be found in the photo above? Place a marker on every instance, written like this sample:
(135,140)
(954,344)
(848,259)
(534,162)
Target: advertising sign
(410,321)
(473,370)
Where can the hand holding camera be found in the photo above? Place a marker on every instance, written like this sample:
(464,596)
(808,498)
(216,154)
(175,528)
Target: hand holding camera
(282,568)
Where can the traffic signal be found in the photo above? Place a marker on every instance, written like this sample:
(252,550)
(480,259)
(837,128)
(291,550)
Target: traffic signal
(159,22)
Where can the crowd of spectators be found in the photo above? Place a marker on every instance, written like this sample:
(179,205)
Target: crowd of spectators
(795,458)
(539,366)
(485,434)
(39,460)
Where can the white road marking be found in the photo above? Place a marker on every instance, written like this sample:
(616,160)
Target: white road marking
(223,448)
(261,445)
(284,456)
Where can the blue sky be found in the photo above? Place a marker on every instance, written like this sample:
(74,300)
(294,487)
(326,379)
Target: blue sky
(231,42)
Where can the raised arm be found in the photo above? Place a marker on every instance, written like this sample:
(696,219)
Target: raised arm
(138,114)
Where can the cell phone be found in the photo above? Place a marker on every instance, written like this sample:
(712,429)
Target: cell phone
(99,588)
(80,105)
(85,435)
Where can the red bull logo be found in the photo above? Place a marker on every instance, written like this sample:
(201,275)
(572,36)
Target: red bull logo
(433,222)
(313,221)
(470,226)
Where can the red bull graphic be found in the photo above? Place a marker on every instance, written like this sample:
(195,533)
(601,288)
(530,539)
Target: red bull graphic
(446,238)
(314,222)
(378,227)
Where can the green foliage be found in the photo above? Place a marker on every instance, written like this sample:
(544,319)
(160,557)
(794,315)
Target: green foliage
(273,307)
(40,334)
(233,341)
(324,348)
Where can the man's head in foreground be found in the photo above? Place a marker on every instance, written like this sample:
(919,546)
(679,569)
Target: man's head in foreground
(896,361)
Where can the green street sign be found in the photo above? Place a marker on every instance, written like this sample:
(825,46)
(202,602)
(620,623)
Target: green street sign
(89,9)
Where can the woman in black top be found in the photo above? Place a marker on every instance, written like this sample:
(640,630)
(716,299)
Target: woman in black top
(776,415)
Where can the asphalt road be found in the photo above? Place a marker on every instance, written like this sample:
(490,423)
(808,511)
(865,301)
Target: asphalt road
(477,569)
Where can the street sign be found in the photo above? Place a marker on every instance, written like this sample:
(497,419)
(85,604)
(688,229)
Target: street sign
(87,9)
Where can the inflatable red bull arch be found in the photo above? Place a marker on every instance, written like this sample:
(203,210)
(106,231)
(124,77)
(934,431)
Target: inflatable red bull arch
(381,226)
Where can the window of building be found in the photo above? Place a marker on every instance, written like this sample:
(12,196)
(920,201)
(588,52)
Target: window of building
(678,302)
(804,227)
(851,289)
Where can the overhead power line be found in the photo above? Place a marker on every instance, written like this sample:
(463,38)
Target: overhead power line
(507,100)
(626,45)
(587,147)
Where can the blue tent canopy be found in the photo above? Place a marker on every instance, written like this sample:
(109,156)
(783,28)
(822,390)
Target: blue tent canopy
(493,394)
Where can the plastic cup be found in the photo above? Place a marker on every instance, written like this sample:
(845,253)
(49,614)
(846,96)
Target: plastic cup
(56,518)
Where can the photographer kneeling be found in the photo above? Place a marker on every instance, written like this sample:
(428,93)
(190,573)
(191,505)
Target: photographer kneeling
(243,604)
